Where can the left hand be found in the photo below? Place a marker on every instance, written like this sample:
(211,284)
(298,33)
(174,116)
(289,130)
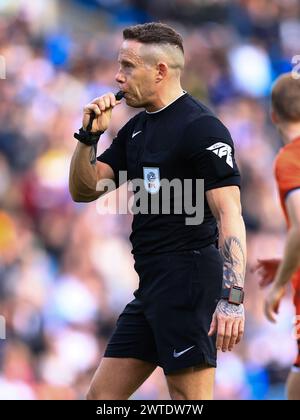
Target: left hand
(266,269)
(228,322)
(272,302)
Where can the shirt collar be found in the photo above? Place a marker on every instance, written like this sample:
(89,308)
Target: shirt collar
(161,109)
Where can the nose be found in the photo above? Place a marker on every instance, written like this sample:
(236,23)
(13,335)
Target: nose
(119,77)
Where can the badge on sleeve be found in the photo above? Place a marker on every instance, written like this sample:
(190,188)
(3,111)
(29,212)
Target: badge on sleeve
(151,180)
(222,150)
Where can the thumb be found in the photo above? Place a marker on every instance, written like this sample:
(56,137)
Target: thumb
(276,306)
(213,326)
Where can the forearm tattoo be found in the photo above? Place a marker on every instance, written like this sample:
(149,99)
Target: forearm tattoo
(93,154)
(234,262)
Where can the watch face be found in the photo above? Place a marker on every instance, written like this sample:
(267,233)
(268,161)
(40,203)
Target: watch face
(235,295)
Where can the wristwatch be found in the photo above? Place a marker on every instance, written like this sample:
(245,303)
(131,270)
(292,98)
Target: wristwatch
(233,294)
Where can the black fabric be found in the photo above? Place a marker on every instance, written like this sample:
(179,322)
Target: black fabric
(183,141)
(168,321)
(209,165)
(115,155)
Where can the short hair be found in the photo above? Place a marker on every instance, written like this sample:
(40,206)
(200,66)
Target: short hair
(286,98)
(154,33)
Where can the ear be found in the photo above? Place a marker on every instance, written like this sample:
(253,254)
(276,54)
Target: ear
(162,71)
(274,117)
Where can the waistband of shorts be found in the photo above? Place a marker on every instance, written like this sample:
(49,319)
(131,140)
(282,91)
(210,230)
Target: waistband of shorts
(193,251)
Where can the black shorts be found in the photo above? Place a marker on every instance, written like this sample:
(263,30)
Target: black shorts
(168,321)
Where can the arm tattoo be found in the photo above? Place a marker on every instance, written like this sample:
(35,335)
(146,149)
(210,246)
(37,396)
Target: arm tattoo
(93,154)
(234,262)
(228,309)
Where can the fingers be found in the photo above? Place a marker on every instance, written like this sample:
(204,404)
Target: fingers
(241,327)
(90,108)
(234,334)
(227,335)
(269,311)
(102,108)
(106,101)
(229,332)
(221,333)
(272,302)
(87,111)
(276,307)
(101,104)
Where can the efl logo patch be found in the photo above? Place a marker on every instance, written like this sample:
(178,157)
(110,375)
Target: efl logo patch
(151,180)
(222,149)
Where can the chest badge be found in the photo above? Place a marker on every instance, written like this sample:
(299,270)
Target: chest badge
(151,180)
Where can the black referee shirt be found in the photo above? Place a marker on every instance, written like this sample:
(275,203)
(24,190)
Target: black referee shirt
(184,140)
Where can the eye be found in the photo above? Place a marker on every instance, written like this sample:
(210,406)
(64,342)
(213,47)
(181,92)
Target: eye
(127,65)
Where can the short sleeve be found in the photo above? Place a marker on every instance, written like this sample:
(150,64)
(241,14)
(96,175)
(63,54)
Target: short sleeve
(115,154)
(287,169)
(209,150)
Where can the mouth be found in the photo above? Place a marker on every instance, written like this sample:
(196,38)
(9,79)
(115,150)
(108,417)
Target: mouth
(127,95)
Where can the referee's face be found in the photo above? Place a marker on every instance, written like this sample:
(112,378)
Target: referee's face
(135,76)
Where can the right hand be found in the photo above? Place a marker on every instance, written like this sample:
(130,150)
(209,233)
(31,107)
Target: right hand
(102,107)
(272,302)
(266,269)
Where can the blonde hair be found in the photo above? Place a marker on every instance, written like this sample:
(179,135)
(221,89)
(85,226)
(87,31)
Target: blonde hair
(286,98)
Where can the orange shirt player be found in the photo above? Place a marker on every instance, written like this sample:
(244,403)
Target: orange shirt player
(286,118)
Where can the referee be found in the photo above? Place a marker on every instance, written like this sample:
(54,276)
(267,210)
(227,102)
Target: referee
(189,302)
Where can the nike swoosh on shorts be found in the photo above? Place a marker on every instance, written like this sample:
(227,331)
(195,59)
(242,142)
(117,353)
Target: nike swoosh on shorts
(175,354)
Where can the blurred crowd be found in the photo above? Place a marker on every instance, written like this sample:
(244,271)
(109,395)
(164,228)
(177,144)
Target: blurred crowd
(66,271)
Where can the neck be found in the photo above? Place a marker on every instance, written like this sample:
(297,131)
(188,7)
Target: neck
(289,132)
(164,97)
